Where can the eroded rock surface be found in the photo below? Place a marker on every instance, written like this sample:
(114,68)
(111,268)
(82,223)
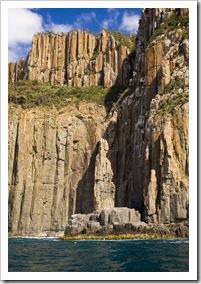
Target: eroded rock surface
(77,161)
(51,161)
(149,154)
(102,221)
(120,220)
(78,58)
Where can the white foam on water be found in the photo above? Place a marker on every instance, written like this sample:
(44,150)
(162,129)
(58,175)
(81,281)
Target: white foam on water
(40,238)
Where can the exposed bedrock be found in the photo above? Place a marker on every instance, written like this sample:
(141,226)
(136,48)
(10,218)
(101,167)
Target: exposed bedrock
(148,135)
(78,58)
(82,159)
(120,220)
(51,164)
(101,221)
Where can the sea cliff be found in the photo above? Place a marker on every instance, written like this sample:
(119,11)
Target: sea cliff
(132,152)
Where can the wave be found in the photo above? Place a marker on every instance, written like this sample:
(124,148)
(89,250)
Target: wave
(40,238)
(173,241)
(133,241)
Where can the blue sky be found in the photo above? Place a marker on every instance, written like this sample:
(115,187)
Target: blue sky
(23,23)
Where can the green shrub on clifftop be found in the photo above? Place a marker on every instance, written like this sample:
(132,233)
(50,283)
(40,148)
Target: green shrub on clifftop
(125,39)
(30,94)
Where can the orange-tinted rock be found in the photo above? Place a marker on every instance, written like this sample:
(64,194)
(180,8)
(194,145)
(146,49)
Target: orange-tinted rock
(55,57)
(60,165)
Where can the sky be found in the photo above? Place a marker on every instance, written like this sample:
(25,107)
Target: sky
(23,23)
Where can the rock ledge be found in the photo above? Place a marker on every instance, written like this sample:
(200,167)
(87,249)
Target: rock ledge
(120,221)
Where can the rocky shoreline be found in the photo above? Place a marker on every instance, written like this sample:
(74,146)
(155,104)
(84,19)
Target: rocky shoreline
(118,237)
(113,223)
(172,231)
(120,221)
(70,154)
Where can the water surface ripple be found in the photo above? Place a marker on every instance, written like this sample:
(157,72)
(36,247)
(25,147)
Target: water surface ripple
(52,255)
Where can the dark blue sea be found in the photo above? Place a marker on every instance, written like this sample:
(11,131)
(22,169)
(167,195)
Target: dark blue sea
(53,255)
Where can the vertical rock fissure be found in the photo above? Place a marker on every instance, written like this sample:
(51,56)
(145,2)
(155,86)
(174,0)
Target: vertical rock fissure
(15,160)
(80,161)
(158,181)
(54,196)
(20,224)
(33,194)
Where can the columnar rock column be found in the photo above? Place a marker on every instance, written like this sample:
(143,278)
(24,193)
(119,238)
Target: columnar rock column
(75,59)
(104,188)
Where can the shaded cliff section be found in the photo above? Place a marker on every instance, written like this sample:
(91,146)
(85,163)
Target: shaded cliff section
(82,159)
(149,152)
(78,58)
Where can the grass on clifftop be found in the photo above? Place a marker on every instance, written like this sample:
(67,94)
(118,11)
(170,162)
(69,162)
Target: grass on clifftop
(30,94)
(125,39)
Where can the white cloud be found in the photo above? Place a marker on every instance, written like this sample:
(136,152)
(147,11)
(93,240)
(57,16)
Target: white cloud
(83,19)
(22,25)
(129,22)
(58,27)
(18,52)
(78,24)
(13,55)
(111,22)
(51,26)
(106,24)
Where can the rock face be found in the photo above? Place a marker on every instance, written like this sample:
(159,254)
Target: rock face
(149,155)
(104,188)
(104,221)
(51,158)
(78,58)
(79,161)
(166,171)
(120,220)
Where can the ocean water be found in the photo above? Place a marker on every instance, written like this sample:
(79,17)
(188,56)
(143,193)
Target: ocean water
(53,255)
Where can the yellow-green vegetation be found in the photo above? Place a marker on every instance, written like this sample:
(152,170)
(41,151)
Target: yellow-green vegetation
(117,94)
(122,95)
(169,103)
(173,22)
(174,85)
(125,39)
(30,94)
(116,237)
(174,94)
(94,56)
